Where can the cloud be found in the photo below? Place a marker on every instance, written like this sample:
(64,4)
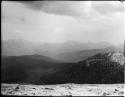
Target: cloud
(54,7)
(75,8)
(108,7)
(35,5)
(55,22)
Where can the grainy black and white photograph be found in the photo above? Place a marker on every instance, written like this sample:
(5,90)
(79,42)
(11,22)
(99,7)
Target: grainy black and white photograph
(62,48)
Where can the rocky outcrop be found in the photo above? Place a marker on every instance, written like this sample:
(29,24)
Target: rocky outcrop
(118,57)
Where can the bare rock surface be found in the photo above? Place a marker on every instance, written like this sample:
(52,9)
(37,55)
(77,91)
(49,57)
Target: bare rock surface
(63,90)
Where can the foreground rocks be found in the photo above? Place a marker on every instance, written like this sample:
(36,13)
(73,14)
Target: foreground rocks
(63,90)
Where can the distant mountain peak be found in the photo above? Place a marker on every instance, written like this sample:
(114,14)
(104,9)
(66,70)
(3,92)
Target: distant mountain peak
(72,42)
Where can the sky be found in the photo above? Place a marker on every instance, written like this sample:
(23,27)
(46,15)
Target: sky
(60,21)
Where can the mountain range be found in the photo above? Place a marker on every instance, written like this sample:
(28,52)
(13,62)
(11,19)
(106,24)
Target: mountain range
(38,69)
(69,62)
(69,51)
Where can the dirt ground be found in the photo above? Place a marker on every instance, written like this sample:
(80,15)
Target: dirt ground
(63,90)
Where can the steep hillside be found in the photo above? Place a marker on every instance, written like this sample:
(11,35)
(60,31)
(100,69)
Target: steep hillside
(98,69)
